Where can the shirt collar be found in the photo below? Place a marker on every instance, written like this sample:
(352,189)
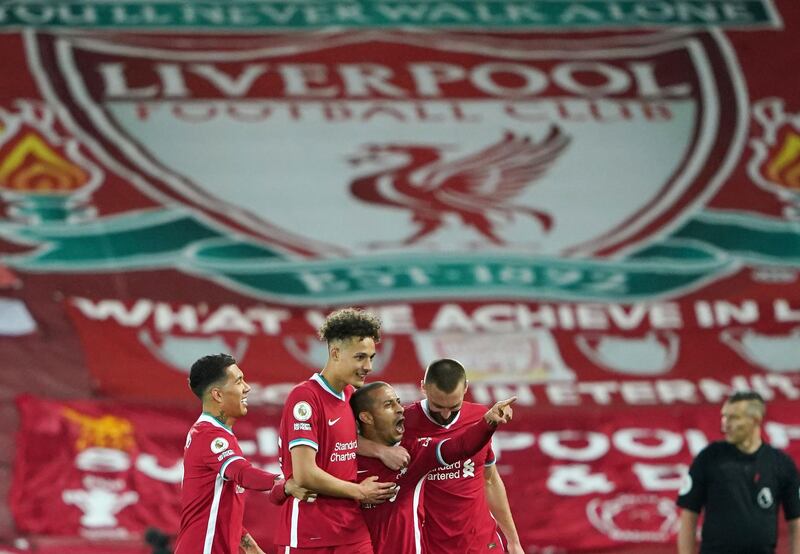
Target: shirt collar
(322,382)
(208,418)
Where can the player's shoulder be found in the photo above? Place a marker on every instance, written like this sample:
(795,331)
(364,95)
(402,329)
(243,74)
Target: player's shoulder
(470,413)
(779,456)
(408,441)
(414,444)
(413,412)
(416,422)
(473,408)
(715,449)
(206,425)
(206,435)
(307,390)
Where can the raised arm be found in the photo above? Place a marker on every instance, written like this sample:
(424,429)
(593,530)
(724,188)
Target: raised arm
(473,438)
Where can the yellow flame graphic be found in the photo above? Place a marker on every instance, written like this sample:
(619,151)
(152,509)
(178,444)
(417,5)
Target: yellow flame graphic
(105,431)
(33,166)
(784,167)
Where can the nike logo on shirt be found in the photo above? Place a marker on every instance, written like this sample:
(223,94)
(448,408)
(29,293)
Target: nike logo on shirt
(333,421)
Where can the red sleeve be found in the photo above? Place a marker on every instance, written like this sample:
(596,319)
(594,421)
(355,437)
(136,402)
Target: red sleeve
(277,495)
(490,457)
(466,443)
(302,419)
(242,472)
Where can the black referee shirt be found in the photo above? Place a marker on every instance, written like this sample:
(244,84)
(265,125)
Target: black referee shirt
(740,494)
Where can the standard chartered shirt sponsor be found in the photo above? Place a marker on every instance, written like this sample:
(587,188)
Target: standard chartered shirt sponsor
(344,451)
(453,471)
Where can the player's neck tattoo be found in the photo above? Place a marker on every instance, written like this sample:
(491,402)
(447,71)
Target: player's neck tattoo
(219,417)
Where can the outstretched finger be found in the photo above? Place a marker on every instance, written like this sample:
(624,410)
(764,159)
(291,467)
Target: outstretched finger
(506,402)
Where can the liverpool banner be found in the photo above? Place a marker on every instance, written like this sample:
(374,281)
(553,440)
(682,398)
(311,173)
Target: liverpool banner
(594,205)
(111,470)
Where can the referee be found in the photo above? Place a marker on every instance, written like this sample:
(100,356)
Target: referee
(740,482)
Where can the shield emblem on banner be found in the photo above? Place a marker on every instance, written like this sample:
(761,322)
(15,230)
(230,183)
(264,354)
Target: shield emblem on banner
(402,143)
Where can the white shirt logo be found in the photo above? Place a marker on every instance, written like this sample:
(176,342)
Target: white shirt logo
(302,411)
(469,468)
(218,445)
(333,421)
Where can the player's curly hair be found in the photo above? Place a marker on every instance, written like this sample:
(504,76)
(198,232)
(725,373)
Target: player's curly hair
(349,323)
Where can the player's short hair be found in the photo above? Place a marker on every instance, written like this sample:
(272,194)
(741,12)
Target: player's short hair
(363,399)
(207,371)
(350,323)
(755,402)
(446,374)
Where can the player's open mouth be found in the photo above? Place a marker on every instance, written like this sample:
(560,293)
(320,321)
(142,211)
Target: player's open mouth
(244,400)
(399,425)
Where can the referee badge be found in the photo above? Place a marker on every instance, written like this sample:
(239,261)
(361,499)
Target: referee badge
(302,411)
(764,498)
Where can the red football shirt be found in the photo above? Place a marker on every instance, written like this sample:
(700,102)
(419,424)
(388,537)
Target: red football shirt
(211,506)
(457,516)
(315,415)
(396,526)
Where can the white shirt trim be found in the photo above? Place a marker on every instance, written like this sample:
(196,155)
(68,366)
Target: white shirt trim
(415,507)
(208,419)
(320,380)
(295,518)
(225,465)
(211,527)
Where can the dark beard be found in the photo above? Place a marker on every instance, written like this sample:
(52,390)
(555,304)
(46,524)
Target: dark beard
(441,421)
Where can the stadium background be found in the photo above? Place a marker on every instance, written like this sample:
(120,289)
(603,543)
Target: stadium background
(594,205)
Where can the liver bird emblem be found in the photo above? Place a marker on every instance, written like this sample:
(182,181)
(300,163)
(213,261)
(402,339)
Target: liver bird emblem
(477,188)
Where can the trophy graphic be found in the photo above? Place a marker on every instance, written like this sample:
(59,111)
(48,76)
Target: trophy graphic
(44,177)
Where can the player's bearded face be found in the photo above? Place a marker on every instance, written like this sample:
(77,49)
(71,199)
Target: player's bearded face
(355,360)
(444,406)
